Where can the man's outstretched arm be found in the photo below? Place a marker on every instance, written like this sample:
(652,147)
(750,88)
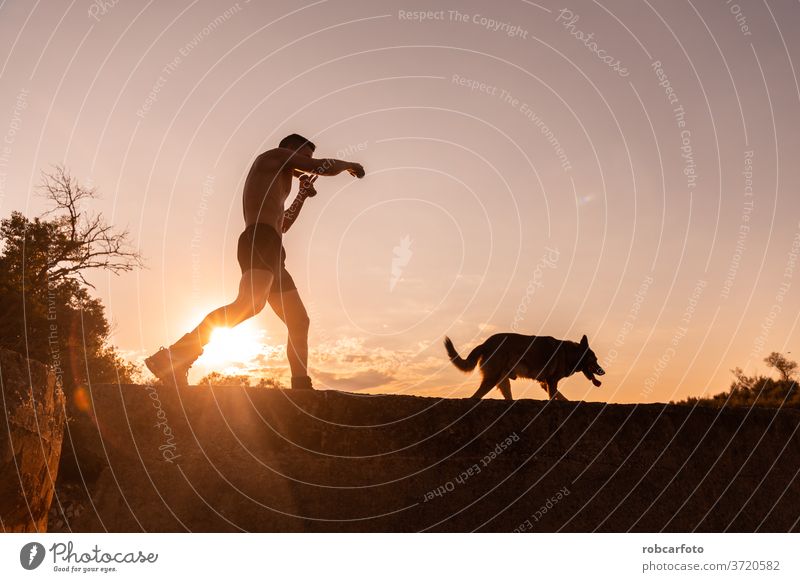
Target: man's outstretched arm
(323,166)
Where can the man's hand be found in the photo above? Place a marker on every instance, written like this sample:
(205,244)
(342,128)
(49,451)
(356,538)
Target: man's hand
(356,170)
(307,189)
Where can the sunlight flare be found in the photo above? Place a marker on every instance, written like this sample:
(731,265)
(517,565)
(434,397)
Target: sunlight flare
(230,345)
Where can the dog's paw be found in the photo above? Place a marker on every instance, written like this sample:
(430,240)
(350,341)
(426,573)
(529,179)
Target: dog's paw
(596,382)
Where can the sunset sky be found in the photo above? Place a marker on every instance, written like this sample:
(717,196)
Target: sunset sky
(622,170)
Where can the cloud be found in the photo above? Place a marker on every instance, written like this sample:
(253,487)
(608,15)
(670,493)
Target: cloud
(350,363)
(358,381)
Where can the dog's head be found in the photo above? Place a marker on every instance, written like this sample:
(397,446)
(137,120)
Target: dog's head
(589,365)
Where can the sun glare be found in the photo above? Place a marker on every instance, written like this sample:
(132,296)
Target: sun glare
(231,345)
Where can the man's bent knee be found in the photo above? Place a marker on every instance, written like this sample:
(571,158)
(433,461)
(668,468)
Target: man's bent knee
(257,307)
(249,307)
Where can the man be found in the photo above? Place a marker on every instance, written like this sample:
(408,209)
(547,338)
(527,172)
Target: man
(262,259)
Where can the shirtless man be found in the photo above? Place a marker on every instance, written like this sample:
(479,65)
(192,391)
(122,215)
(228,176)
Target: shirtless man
(262,259)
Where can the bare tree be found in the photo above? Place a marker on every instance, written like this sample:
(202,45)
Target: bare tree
(84,241)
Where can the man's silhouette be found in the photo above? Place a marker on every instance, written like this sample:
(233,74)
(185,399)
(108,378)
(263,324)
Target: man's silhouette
(261,256)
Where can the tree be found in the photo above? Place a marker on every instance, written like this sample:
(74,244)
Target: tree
(82,241)
(46,310)
(270,383)
(758,390)
(217,379)
(786,368)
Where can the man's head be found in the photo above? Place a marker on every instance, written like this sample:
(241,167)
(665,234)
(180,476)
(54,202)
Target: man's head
(299,144)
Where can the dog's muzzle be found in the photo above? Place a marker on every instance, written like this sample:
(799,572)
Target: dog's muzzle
(599,371)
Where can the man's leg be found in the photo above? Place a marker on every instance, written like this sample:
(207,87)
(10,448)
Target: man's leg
(174,362)
(254,287)
(289,307)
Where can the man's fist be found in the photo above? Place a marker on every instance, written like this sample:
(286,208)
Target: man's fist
(307,185)
(356,170)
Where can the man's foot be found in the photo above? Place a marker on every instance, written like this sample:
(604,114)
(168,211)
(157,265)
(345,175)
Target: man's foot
(301,383)
(166,367)
(171,365)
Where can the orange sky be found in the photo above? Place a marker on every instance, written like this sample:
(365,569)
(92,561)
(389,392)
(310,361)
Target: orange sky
(628,174)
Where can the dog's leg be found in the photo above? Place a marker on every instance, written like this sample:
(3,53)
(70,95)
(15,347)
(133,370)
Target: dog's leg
(505,388)
(552,390)
(486,384)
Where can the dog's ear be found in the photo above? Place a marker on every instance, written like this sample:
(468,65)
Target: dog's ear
(585,341)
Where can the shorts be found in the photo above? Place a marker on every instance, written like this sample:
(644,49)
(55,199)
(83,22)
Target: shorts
(260,247)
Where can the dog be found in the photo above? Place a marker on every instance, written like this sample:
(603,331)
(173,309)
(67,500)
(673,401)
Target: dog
(508,356)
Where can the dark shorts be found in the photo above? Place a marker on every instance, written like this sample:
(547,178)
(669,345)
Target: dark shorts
(260,247)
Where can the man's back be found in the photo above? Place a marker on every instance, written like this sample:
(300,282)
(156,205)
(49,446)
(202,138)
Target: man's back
(267,186)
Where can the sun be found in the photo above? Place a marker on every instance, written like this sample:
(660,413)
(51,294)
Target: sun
(231,345)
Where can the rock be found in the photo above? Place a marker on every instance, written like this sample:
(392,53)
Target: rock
(30,442)
(248,459)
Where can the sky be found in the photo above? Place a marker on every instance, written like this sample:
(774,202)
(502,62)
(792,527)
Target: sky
(621,170)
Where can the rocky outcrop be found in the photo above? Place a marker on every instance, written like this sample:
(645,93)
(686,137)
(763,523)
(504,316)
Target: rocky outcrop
(246,459)
(30,442)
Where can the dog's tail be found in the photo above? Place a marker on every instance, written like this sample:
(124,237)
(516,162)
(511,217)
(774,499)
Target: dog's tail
(459,362)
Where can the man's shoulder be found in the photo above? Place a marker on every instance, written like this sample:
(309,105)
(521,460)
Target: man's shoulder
(273,156)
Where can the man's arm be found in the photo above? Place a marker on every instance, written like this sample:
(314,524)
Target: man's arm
(306,190)
(293,211)
(323,166)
